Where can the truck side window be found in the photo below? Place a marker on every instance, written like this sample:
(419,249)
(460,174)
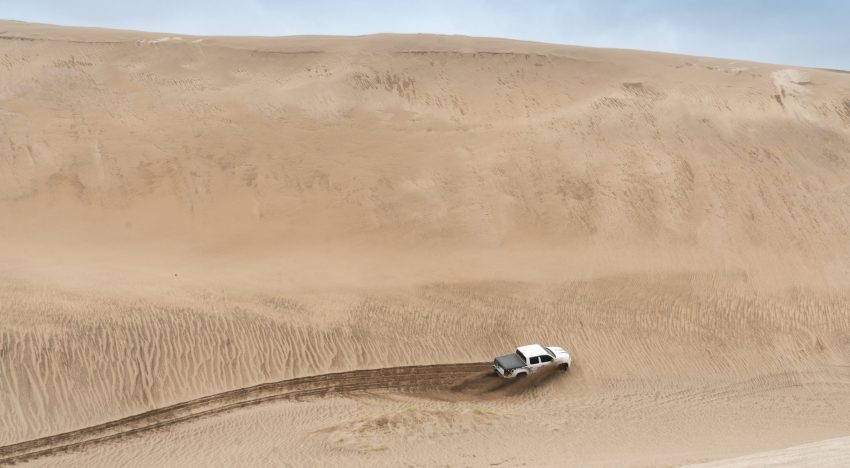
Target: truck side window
(545,358)
(535,360)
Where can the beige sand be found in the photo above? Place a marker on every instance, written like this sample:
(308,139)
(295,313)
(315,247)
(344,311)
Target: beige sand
(185,216)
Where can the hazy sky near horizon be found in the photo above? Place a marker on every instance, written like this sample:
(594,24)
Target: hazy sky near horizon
(806,33)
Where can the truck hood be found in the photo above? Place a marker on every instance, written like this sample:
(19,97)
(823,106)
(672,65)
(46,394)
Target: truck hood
(509,361)
(560,352)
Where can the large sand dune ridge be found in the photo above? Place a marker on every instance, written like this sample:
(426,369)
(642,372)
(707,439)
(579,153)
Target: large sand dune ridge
(182,216)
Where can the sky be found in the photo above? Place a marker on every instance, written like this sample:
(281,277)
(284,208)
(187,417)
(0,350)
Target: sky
(813,33)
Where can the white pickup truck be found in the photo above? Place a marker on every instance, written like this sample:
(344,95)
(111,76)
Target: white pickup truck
(529,359)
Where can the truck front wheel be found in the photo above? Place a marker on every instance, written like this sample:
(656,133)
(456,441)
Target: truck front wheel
(564,367)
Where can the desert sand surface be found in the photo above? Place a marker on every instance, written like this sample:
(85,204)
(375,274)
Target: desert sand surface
(304,251)
(827,453)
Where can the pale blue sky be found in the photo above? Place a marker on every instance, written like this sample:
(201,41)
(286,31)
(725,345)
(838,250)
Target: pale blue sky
(800,32)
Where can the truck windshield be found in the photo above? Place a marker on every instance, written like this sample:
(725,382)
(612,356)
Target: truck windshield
(549,351)
(521,356)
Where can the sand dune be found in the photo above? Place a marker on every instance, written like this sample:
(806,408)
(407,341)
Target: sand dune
(184,216)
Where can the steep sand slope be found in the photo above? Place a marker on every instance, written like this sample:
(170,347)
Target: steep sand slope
(183,216)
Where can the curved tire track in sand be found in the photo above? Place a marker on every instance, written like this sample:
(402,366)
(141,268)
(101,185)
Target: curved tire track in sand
(391,378)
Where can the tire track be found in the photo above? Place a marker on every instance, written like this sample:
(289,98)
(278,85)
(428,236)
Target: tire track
(392,378)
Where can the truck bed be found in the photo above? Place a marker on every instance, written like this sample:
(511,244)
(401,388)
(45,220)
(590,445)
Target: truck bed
(510,361)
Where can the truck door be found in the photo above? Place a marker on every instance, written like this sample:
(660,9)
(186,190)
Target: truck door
(534,364)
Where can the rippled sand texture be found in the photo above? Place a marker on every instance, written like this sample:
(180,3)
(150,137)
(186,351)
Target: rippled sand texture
(184,216)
